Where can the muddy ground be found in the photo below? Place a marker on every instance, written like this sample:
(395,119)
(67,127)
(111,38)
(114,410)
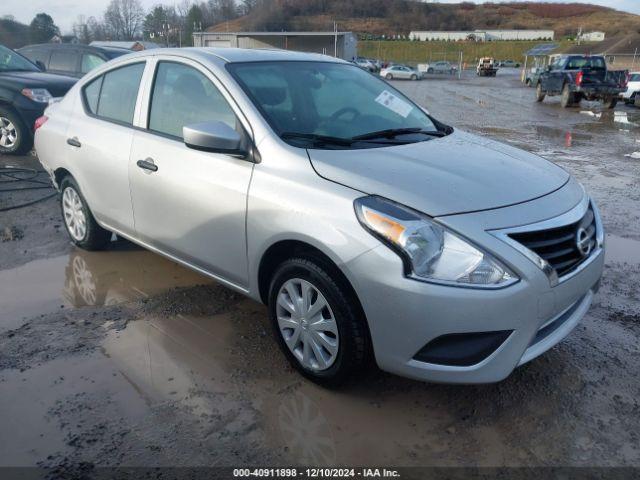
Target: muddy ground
(124,358)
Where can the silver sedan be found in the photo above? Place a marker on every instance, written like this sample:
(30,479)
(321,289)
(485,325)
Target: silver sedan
(372,231)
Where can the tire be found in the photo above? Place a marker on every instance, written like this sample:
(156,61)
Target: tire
(388,76)
(567,97)
(74,210)
(414,77)
(610,102)
(15,137)
(540,93)
(429,70)
(351,340)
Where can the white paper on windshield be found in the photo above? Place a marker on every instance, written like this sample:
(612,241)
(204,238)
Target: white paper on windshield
(395,104)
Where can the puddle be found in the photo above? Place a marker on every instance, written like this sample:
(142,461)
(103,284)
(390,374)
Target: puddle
(229,356)
(87,279)
(622,250)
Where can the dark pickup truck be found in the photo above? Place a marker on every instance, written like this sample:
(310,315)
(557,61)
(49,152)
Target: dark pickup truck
(578,77)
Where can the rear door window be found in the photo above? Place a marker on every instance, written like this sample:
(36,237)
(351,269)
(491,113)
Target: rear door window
(113,96)
(92,94)
(63,61)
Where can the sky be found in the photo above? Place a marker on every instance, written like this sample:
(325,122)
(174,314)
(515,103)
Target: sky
(65,12)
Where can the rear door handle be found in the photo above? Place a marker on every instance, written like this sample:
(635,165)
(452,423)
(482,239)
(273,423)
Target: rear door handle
(74,142)
(147,165)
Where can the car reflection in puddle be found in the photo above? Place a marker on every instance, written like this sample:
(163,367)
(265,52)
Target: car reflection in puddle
(123,273)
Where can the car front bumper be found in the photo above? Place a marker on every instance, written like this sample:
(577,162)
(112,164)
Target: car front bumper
(406,315)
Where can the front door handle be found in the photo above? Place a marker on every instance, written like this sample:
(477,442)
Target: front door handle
(74,142)
(147,165)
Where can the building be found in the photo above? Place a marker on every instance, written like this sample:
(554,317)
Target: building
(591,37)
(340,44)
(482,35)
(135,45)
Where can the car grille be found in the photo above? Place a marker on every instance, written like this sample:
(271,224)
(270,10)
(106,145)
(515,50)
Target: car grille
(559,246)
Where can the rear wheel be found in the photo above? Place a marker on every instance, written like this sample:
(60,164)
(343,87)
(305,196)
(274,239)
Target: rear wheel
(567,99)
(540,93)
(78,219)
(15,137)
(316,322)
(430,70)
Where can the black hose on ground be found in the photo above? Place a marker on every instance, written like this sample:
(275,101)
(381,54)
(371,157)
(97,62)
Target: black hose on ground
(26,179)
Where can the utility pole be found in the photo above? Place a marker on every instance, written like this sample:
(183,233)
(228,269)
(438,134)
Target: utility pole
(335,39)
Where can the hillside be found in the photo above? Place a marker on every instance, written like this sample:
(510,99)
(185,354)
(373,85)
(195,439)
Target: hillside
(389,17)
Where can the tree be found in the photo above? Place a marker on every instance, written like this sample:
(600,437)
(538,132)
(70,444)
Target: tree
(81,30)
(42,28)
(194,22)
(123,19)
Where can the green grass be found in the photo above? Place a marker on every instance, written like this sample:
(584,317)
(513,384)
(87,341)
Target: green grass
(414,52)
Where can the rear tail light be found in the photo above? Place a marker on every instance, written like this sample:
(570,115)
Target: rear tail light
(39,122)
(579,78)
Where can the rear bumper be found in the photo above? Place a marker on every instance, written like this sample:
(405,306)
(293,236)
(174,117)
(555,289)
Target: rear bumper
(598,91)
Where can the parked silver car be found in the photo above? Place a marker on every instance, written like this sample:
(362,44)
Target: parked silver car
(400,71)
(370,229)
(442,67)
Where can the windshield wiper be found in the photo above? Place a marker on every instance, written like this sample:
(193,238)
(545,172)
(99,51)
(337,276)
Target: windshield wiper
(323,139)
(394,132)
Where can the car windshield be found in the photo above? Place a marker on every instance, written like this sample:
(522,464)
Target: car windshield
(333,105)
(11,61)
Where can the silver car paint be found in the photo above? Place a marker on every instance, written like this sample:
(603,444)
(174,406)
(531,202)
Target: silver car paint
(455,174)
(222,224)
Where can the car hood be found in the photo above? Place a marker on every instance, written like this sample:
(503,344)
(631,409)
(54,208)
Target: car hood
(458,173)
(57,85)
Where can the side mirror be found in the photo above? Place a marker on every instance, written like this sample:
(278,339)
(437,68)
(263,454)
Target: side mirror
(215,137)
(40,65)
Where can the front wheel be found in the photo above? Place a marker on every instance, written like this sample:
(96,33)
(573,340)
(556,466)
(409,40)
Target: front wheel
(414,77)
(430,70)
(78,219)
(539,93)
(388,76)
(316,322)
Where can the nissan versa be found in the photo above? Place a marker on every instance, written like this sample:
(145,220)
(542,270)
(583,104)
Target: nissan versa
(370,229)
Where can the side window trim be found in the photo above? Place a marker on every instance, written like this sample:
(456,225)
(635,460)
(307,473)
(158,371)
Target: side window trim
(83,96)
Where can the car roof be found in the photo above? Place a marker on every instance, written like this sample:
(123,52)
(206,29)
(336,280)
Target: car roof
(62,46)
(236,55)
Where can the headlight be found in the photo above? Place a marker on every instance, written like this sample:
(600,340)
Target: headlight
(430,251)
(40,95)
